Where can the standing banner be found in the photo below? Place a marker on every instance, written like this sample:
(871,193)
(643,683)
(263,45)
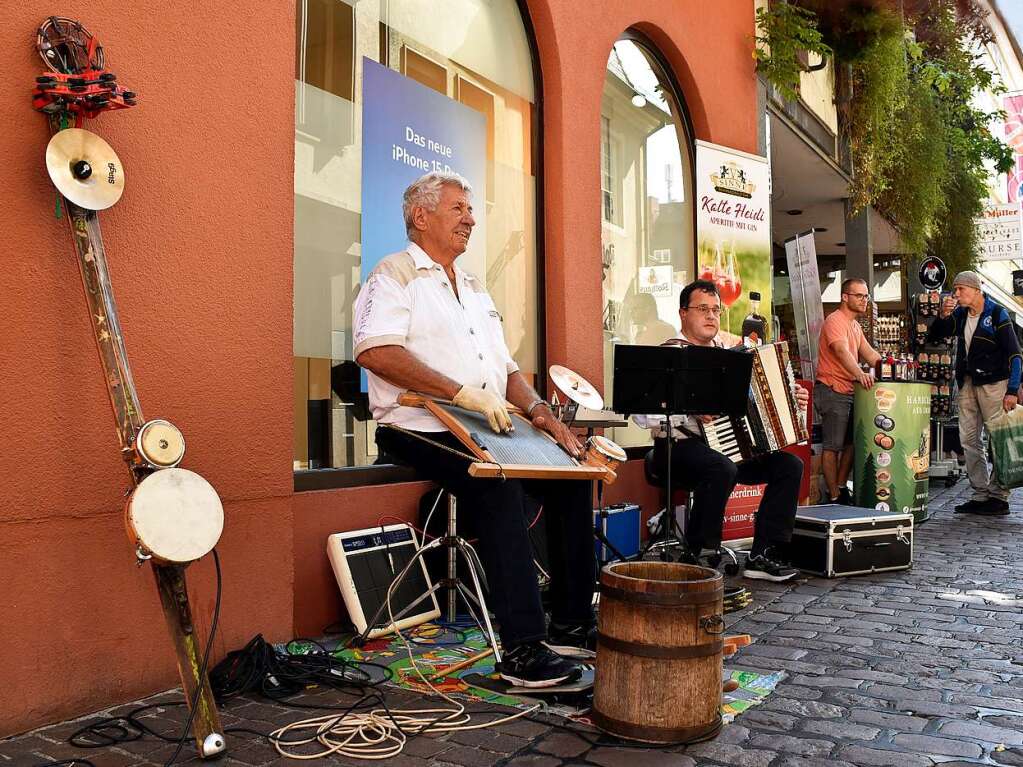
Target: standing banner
(733,230)
(998,233)
(805,284)
(892,447)
(408,130)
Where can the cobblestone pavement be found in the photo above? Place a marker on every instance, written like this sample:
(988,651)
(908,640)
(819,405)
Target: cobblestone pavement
(905,669)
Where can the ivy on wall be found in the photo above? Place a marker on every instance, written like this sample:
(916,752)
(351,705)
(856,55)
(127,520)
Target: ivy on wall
(921,148)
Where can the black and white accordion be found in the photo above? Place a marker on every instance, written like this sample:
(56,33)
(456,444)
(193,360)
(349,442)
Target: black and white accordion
(774,419)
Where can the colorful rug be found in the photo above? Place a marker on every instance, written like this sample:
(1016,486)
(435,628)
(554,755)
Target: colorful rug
(435,647)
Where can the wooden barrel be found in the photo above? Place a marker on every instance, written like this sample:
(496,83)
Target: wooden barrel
(658,677)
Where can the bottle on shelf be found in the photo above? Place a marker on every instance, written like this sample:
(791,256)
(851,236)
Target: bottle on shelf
(754,326)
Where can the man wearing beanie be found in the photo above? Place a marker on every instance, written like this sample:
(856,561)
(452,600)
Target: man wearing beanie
(988,366)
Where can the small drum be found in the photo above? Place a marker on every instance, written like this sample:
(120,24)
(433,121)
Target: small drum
(600,451)
(159,444)
(174,516)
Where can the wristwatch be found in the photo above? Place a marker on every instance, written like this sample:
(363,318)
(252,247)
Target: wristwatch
(534,405)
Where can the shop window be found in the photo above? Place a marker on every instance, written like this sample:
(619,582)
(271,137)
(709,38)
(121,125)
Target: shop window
(647,235)
(475,52)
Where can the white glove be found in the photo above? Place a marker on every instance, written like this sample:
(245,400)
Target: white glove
(488,403)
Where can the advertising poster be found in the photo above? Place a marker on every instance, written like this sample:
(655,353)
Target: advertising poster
(733,229)
(892,447)
(408,130)
(998,233)
(807,306)
(1012,104)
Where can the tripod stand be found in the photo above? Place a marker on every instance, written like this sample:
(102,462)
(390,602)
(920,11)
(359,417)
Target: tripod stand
(455,546)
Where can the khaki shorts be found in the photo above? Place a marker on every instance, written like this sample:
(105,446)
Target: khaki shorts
(834,414)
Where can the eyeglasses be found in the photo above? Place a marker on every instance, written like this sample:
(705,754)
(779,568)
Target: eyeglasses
(858,295)
(713,311)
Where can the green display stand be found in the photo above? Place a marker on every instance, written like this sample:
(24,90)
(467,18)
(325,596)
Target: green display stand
(892,442)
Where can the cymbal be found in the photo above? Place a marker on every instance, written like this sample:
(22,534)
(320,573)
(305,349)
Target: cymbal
(576,388)
(84,169)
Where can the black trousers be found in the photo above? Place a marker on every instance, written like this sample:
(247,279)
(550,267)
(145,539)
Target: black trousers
(497,508)
(712,477)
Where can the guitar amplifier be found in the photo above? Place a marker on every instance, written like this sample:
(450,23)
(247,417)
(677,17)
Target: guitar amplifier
(365,562)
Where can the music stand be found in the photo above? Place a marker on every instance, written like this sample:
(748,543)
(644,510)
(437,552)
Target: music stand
(679,380)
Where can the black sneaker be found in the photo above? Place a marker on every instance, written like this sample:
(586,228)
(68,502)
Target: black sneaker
(535,665)
(844,497)
(577,641)
(767,567)
(993,507)
(970,507)
(686,555)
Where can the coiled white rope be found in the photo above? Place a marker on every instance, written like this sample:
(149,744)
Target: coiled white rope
(380,734)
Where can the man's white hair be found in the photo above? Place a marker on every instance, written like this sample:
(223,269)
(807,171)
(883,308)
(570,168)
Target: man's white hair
(425,192)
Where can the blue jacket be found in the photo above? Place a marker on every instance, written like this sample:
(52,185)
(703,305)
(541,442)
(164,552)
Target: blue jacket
(994,351)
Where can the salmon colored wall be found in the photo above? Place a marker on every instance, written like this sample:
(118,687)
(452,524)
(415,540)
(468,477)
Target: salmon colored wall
(200,252)
(709,54)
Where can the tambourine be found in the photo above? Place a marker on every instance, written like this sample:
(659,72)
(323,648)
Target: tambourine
(174,516)
(159,444)
(600,451)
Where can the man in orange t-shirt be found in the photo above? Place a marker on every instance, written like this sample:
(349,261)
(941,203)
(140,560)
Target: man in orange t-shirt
(842,345)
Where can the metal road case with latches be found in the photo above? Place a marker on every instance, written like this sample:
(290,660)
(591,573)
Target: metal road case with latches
(834,540)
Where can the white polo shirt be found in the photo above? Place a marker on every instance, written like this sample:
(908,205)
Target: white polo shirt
(407,301)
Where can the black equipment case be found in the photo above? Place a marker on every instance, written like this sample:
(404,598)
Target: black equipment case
(834,540)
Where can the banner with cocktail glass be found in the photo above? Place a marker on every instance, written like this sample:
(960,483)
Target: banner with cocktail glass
(733,230)
(892,447)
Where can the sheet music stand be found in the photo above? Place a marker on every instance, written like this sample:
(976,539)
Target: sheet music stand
(679,380)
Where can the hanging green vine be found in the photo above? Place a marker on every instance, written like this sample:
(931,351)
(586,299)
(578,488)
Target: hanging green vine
(784,32)
(920,146)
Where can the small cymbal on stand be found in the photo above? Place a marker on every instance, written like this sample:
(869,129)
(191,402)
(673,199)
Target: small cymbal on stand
(85,169)
(576,388)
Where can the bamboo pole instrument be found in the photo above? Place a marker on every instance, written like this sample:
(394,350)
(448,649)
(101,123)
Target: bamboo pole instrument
(173,516)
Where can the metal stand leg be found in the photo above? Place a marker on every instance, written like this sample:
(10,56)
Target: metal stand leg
(452,585)
(455,546)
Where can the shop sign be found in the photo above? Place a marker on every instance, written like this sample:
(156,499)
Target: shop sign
(998,233)
(655,280)
(932,273)
(733,230)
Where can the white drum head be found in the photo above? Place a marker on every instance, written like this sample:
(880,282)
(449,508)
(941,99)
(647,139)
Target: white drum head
(608,448)
(175,515)
(160,444)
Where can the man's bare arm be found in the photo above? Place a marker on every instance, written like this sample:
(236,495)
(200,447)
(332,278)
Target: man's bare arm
(519,392)
(848,361)
(399,366)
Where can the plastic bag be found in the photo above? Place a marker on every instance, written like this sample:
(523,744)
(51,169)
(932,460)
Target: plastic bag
(1005,431)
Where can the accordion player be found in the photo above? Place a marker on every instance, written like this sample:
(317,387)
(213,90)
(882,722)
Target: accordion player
(774,419)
